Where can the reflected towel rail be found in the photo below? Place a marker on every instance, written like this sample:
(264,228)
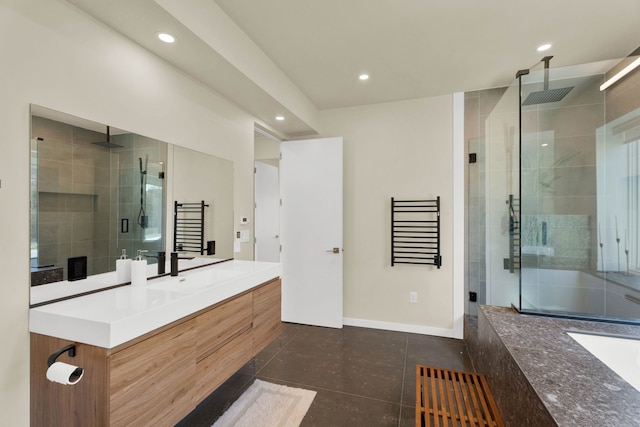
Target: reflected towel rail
(188,227)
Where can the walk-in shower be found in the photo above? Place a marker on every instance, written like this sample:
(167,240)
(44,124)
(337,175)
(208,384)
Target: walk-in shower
(557,226)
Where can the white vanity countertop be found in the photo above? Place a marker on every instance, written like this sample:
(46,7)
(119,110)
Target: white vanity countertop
(112,317)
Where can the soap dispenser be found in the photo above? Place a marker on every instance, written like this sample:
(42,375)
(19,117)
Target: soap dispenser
(123,268)
(139,270)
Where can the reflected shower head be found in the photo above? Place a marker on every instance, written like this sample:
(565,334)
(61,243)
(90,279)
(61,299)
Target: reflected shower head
(547,95)
(107,143)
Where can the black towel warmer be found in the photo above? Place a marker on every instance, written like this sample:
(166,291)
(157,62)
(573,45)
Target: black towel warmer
(415,232)
(188,227)
(514,235)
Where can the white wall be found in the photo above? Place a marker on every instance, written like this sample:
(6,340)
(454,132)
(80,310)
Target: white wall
(55,56)
(402,150)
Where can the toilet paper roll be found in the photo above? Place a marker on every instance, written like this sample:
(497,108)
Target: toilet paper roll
(63,373)
(139,273)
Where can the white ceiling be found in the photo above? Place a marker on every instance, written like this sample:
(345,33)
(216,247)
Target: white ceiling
(307,54)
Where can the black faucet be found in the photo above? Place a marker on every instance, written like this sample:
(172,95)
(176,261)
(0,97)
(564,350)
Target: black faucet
(174,262)
(162,260)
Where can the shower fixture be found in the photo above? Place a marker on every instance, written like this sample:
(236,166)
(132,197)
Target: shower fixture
(546,95)
(143,219)
(107,143)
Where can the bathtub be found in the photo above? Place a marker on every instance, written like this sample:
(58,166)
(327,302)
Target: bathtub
(620,354)
(579,292)
(570,291)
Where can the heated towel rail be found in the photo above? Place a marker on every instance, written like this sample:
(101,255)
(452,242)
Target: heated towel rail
(514,235)
(188,227)
(415,232)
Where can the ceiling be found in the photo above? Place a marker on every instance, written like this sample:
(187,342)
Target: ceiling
(297,57)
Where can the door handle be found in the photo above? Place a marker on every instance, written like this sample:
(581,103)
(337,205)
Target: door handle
(334,251)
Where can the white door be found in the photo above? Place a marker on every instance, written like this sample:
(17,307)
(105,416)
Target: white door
(267,213)
(311,231)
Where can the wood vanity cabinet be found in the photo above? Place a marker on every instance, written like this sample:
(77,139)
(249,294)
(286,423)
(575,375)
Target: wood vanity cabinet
(158,378)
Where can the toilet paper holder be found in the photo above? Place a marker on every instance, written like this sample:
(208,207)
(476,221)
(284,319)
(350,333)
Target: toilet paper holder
(70,374)
(71,348)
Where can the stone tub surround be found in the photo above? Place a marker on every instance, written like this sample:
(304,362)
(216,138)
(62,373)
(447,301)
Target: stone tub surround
(112,317)
(540,376)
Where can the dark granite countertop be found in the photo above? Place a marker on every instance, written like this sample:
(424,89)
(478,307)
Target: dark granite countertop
(576,388)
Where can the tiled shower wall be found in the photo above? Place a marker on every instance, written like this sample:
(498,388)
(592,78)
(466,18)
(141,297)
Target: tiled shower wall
(73,195)
(568,235)
(558,174)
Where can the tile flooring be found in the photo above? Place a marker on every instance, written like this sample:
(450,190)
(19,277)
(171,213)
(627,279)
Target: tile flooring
(363,377)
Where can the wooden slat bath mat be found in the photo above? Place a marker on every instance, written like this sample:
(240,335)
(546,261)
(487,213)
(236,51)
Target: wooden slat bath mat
(447,398)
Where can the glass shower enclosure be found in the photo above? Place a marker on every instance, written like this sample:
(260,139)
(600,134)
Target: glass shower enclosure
(560,177)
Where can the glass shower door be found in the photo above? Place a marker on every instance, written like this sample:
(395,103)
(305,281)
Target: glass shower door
(502,195)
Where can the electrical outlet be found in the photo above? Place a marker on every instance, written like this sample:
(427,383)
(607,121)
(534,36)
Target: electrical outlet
(413,297)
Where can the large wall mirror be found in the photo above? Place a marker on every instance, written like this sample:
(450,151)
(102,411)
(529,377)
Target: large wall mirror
(97,190)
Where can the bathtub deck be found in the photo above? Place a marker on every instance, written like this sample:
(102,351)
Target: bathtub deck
(540,376)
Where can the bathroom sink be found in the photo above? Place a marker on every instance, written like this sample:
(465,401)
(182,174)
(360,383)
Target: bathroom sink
(194,280)
(538,250)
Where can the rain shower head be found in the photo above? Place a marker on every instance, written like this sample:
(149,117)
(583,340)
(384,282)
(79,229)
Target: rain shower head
(547,95)
(107,143)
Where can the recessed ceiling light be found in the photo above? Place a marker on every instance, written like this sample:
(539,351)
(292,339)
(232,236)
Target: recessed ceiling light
(167,38)
(280,118)
(544,47)
(545,144)
(363,76)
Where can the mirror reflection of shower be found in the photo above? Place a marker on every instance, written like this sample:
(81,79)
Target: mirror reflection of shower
(85,194)
(142,214)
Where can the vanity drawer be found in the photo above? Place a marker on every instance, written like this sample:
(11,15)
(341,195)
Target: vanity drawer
(152,381)
(216,368)
(220,324)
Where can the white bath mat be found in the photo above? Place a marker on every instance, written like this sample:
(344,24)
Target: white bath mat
(268,405)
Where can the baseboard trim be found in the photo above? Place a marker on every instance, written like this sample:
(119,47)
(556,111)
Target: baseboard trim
(399,327)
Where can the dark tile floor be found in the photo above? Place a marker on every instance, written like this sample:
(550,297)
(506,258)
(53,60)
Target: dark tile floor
(363,377)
